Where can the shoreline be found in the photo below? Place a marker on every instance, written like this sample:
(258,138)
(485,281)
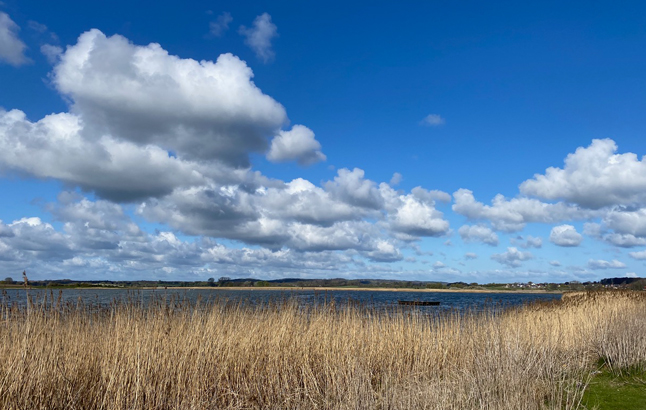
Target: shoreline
(299,289)
(275,288)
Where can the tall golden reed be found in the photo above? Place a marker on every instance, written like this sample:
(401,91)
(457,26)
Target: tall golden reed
(223,356)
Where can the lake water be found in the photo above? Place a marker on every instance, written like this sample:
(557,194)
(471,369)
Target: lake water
(371,299)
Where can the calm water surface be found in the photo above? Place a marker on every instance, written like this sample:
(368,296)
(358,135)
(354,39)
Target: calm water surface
(370,299)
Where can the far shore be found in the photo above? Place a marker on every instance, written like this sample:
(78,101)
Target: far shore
(290,289)
(278,288)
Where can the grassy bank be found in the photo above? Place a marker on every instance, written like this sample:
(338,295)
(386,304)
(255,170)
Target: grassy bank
(276,357)
(608,391)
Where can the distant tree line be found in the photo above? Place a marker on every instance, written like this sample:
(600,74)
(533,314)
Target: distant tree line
(632,283)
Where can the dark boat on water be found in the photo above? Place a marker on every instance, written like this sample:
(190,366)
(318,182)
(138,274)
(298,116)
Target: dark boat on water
(417,303)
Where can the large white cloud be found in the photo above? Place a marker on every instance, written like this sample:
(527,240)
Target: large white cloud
(54,148)
(199,110)
(593,177)
(143,123)
(12,49)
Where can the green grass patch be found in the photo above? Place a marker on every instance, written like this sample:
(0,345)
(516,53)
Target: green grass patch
(608,392)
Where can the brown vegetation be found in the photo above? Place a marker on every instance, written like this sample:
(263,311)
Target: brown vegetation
(174,356)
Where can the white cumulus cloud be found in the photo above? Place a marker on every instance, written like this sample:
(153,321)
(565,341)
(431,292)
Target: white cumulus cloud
(478,233)
(199,110)
(54,148)
(297,144)
(512,257)
(565,235)
(593,177)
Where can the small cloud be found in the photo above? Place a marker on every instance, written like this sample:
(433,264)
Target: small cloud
(259,37)
(555,263)
(478,233)
(396,179)
(221,24)
(431,196)
(419,251)
(12,49)
(565,235)
(438,265)
(51,52)
(41,29)
(641,255)
(529,242)
(601,264)
(470,255)
(433,120)
(592,229)
(296,144)
(512,258)
(36,26)
(631,275)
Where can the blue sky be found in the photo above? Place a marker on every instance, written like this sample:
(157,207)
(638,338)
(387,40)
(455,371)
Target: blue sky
(441,141)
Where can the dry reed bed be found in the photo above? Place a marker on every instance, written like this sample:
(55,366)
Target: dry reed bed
(286,357)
